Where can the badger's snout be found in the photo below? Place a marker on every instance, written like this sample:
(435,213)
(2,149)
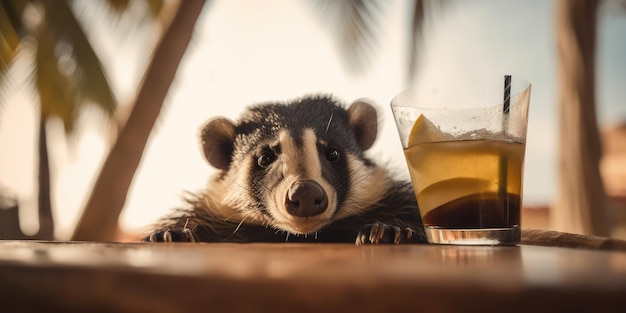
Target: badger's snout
(306,198)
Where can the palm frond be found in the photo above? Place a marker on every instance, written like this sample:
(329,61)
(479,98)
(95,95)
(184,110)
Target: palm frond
(10,26)
(71,76)
(423,11)
(150,11)
(56,86)
(155,7)
(71,57)
(124,18)
(417,24)
(118,5)
(9,39)
(355,24)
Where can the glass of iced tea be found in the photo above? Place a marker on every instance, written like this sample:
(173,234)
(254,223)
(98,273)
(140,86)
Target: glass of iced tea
(464,144)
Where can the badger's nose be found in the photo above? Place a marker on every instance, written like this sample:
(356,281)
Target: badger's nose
(306,198)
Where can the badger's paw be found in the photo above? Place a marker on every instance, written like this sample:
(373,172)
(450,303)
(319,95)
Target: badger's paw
(379,233)
(179,235)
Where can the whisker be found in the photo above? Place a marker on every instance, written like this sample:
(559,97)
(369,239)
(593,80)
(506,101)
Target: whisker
(237,184)
(329,121)
(239,225)
(357,171)
(357,176)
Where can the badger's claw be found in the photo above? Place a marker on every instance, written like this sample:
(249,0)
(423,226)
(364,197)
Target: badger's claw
(179,235)
(379,233)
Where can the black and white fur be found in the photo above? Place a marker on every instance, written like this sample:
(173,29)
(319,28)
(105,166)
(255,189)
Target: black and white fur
(296,172)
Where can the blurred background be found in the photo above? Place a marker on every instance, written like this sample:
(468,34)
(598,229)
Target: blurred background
(101,101)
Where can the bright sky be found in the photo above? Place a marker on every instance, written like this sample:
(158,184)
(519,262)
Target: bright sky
(282,50)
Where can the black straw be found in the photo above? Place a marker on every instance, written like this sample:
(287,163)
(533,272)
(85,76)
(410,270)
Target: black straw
(507,94)
(503,160)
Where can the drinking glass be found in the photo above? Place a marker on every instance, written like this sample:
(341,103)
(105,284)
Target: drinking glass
(464,142)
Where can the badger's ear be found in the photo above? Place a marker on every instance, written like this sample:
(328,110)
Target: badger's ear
(364,122)
(218,138)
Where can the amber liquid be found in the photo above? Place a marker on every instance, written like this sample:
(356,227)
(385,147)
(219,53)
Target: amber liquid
(468,184)
(488,210)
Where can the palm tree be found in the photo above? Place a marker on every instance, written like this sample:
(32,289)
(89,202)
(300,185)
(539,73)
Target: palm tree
(581,204)
(99,220)
(90,87)
(64,70)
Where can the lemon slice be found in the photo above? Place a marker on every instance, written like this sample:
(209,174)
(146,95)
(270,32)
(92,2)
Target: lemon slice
(445,191)
(425,131)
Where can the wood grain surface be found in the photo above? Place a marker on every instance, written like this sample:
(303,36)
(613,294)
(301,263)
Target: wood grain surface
(126,277)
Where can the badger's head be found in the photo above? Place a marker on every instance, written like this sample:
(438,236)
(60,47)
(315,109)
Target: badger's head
(298,166)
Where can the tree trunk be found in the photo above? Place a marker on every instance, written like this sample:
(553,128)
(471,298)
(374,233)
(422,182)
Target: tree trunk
(581,202)
(46,225)
(99,221)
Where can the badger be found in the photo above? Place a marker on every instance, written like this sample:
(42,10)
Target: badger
(295,171)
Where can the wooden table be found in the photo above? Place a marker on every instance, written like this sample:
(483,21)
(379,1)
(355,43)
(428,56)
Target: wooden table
(116,277)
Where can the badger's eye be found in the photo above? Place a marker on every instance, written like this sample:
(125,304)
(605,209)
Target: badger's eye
(332,154)
(266,158)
